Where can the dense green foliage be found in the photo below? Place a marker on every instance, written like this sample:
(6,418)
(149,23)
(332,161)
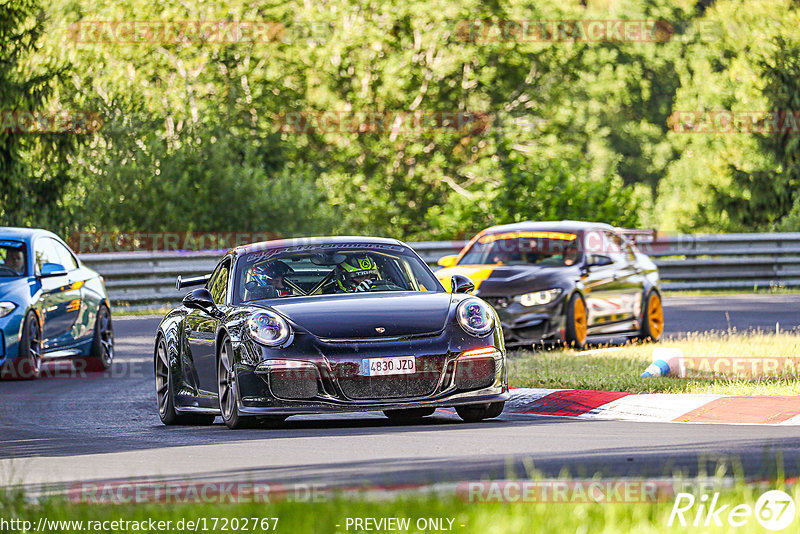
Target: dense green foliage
(33,173)
(202,136)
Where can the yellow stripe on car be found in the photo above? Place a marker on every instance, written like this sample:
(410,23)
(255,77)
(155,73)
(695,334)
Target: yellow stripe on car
(476,273)
(490,238)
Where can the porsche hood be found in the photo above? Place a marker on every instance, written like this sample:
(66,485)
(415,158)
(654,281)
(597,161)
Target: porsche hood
(368,315)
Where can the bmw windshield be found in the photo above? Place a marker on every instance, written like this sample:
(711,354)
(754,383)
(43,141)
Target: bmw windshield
(545,248)
(13,259)
(299,271)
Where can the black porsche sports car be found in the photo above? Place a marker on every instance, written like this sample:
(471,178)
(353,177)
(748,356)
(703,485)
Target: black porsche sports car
(326,325)
(562,281)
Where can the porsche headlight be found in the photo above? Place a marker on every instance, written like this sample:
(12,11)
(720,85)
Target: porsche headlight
(538,298)
(269,328)
(6,308)
(475,317)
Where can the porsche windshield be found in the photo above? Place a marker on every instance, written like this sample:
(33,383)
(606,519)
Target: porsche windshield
(556,249)
(330,269)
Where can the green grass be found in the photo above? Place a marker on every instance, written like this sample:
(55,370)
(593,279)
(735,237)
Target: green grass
(323,517)
(620,368)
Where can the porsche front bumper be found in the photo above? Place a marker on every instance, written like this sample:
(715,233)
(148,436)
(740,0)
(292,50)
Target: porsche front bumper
(324,384)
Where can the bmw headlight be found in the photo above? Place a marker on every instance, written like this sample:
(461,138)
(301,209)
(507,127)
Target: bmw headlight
(269,328)
(538,298)
(6,308)
(475,317)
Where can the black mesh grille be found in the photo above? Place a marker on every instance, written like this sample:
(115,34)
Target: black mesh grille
(475,373)
(422,383)
(294,383)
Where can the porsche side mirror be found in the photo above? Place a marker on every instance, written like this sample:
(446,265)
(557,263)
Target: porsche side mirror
(447,261)
(200,299)
(52,269)
(598,260)
(462,284)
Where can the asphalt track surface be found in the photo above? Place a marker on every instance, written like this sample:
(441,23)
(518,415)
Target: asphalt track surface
(62,430)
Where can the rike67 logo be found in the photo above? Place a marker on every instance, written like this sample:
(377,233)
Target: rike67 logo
(774,510)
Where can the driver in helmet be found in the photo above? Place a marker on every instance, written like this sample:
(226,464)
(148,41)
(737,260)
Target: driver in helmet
(271,275)
(359,273)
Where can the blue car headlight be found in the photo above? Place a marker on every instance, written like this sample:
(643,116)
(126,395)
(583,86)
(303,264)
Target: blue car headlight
(269,328)
(475,317)
(6,308)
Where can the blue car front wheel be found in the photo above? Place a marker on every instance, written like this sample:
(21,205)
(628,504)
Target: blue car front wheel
(28,363)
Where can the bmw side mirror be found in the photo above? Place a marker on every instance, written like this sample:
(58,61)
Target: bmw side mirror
(598,260)
(52,269)
(200,299)
(462,284)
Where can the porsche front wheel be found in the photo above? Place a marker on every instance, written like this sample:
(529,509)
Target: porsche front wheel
(228,389)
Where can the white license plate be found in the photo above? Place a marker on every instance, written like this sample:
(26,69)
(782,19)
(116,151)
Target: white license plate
(402,365)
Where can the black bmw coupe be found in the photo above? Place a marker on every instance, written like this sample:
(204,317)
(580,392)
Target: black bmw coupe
(318,325)
(562,281)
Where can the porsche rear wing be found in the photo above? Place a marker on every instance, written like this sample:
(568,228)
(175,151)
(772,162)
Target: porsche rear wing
(190,281)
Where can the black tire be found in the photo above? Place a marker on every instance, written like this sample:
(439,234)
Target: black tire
(101,355)
(165,393)
(577,322)
(652,318)
(28,364)
(408,415)
(472,413)
(228,391)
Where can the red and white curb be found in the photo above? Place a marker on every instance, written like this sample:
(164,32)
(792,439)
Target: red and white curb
(660,407)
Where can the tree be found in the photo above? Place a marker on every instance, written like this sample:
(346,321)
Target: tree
(33,175)
(729,179)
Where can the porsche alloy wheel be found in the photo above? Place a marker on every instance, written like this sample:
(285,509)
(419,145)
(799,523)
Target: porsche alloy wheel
(577,324)
(653,319)
(226,377)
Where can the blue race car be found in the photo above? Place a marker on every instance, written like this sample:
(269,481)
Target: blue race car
(51,306)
